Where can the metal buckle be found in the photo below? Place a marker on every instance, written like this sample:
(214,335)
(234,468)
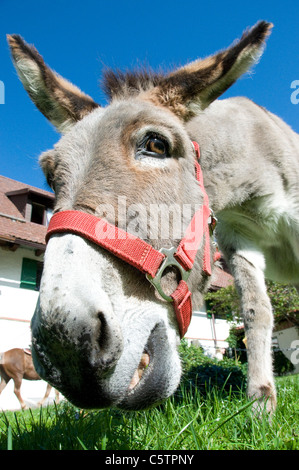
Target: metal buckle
(168,261)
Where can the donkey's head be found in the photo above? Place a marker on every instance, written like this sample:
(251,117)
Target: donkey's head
(101,334)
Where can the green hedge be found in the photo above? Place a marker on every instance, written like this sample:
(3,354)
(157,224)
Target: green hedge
(207,374)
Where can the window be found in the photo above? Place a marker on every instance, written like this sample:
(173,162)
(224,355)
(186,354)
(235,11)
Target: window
(32,204)
(31,274)
(37,213)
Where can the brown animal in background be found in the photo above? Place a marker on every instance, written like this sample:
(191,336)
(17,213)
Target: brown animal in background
(17,364)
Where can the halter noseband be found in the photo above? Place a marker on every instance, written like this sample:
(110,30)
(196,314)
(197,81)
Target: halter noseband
(143,256)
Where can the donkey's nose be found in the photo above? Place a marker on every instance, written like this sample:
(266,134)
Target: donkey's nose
(69,333)
(72,349)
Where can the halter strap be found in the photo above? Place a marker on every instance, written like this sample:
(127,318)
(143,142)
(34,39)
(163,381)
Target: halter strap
(129,248)
(198,228)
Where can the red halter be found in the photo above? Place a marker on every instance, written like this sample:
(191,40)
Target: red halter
(143,256)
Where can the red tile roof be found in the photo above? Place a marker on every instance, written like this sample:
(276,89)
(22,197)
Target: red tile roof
(221,278)
(13,226)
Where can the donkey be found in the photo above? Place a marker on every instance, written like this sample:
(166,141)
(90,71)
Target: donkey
(101,333)
(16,364)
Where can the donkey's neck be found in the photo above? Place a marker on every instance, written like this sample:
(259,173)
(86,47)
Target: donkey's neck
(237,139)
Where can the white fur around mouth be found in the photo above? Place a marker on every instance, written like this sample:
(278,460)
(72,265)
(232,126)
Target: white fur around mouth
(143,364)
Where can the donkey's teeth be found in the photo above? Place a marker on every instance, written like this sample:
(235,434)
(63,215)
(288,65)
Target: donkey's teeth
(143,364)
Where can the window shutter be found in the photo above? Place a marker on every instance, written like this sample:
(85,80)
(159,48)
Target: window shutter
(29,274)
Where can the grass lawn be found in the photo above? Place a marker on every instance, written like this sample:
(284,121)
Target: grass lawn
(218,419)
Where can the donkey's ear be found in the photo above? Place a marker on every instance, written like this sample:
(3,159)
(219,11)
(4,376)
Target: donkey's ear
(59,100)
(193,87)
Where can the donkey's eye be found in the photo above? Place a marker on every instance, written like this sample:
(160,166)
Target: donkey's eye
(153,145)
(156,145)
(153,149)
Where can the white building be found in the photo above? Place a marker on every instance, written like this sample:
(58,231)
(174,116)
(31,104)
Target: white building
(23,224)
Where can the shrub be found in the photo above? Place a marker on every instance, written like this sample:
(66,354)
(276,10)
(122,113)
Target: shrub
(207,374)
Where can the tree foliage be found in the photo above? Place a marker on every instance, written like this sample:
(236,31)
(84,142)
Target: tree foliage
(284,299)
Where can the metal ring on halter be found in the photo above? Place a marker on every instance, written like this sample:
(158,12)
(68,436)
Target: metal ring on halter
(169,260)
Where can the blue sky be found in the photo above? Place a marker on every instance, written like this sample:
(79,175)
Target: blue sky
(77,38)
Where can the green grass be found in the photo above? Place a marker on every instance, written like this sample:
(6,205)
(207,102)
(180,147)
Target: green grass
(190,420)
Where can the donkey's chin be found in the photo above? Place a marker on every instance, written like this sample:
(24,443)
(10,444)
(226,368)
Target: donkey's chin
(156,377)
(151,377)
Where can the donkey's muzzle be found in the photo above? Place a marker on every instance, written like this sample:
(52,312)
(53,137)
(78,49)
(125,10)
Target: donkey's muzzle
(76,353)
(84,341)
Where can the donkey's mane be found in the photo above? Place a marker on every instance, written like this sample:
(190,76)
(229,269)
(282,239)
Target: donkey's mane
(116,83)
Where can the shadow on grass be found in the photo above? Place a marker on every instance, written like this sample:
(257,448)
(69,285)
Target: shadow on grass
(213,378)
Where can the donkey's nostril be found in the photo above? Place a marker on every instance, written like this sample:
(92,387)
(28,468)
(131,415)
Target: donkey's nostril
(103,338)
(109,344)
